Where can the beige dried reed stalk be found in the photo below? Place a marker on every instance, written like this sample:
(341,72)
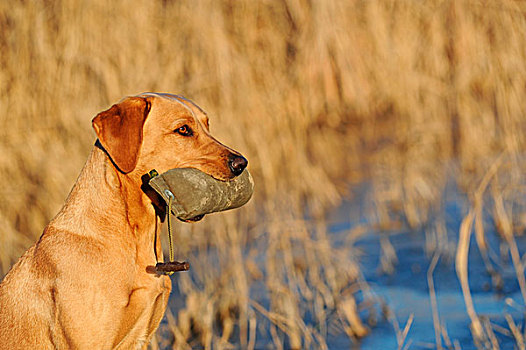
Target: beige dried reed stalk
(505,228)
(461,260)
(401,335)
(516,332)
(461,264)
(488,327)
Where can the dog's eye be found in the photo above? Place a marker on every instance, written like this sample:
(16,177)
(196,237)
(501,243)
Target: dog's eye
(184,130)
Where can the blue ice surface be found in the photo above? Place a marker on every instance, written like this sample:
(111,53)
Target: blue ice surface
(406,292)
(406,289)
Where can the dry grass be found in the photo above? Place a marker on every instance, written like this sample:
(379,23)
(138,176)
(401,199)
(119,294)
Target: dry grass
(316,94)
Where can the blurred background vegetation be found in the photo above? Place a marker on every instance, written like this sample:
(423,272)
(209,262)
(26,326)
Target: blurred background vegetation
(318,95)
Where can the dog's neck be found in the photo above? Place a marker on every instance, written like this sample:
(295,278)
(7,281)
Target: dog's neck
(104,199)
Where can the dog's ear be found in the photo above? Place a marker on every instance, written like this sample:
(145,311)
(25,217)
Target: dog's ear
(119,130)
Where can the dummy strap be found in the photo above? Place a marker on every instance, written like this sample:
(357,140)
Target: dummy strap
(168,268)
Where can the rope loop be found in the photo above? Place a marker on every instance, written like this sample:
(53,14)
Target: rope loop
(170,240)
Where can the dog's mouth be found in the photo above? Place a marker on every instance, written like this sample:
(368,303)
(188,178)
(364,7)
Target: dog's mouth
(194,219)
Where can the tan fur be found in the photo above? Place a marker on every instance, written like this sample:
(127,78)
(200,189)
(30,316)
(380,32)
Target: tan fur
(87,282)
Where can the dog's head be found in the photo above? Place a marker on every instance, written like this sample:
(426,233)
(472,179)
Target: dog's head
(162,132)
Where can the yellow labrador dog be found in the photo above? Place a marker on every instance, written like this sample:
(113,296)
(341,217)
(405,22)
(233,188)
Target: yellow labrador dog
(88,282)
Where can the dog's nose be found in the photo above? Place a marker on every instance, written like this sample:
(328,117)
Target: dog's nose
(237,164)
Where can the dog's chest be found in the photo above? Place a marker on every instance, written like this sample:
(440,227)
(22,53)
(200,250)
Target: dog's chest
(144,310)
(151,294)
